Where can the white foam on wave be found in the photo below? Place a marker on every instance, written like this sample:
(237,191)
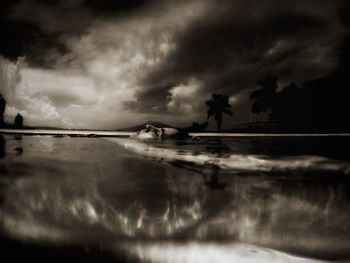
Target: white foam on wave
(211,252)
(244,162)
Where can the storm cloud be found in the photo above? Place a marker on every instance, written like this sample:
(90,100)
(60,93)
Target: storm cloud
(131,61)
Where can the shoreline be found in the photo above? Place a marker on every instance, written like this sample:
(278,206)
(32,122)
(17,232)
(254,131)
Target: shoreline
(124,134)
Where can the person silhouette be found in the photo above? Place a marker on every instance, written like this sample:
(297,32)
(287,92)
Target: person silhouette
(18,121)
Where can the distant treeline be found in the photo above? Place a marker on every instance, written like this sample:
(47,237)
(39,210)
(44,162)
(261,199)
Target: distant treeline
(318,105)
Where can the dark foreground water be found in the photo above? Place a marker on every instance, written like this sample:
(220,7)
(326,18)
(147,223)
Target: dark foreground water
(198,200)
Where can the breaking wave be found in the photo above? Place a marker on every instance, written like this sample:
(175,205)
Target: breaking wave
(244,162)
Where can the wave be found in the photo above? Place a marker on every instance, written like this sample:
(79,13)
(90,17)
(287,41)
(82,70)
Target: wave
(211,252)
(244,162)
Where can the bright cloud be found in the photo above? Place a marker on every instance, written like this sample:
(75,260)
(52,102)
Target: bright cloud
(88,87)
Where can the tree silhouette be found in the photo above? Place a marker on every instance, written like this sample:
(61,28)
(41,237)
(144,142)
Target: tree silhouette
(217,106)
(265,95)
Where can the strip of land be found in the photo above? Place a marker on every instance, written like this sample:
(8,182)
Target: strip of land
(91,133)
(83,133)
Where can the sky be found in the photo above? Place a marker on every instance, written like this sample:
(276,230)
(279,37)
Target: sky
(104,64)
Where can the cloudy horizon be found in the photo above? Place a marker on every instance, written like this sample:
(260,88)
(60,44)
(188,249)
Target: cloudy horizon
(111,64)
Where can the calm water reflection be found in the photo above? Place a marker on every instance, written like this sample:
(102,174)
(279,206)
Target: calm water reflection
(150,198)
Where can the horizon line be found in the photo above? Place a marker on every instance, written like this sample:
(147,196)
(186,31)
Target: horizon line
(99,133)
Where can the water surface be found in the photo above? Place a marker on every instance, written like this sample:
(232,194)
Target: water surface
(248,199)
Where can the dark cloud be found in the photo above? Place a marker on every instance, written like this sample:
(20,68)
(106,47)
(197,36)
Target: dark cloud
(15,36)
(115,6)
(21,36)
(147,98)
(344,52)
(6,5)
(231,49)
(220,44)
(34,28)
(195,48)
(344,14)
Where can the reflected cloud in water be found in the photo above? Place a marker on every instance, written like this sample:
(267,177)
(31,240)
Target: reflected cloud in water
(89,190)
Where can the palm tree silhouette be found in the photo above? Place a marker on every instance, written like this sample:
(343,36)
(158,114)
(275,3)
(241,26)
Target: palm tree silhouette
(265,95)
(218,105)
